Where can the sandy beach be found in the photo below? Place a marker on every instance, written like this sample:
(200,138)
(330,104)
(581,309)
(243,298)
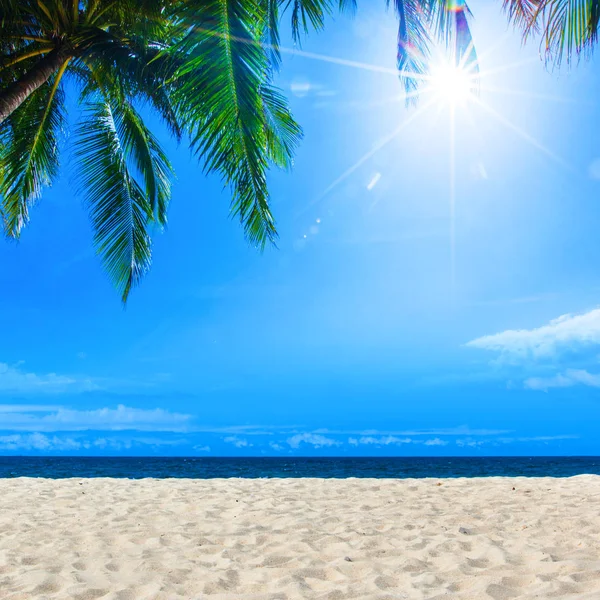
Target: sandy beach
(300,538)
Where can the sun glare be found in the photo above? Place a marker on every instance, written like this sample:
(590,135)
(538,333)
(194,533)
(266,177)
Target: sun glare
(451,84)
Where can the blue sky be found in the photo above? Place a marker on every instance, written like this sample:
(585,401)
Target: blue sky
(363,333)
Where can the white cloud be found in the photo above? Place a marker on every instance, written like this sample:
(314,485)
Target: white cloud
(474,443)
(568,332)
(27,408)
(108,444)
(460,430)
(202,448)
(384,440)
(37,441)
(14,379)
(313,439)
(435,442)
(247,429)
(237,442)
(569,378)
(539,438)
(276,446)
(56,443)
(388,440)
(300,87)
(53,418)
(469,443)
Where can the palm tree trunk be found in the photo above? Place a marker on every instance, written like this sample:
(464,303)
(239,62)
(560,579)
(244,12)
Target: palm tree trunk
(17,92)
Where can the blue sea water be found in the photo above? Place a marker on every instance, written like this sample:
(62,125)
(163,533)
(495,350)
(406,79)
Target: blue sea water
(207,468)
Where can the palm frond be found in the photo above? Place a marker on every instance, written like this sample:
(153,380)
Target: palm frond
(220,99)
(414,42)
(135,72)
(119,210)
(283,134)
(465,54)
(141,147)
(566,28)
(348,6)
(307,14)
(204,67)
(569,28)
(523,14)
(449,24)
(271,31)
(30,157)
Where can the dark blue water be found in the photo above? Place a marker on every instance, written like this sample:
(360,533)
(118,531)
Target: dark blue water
(206,468)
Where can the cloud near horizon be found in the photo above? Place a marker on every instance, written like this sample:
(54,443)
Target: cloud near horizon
(568,378)
(13,379)
(40,442)
(391,440)
(38,418)
(566,333)
(312,439)
(559,349)
(451,431)
(237,442)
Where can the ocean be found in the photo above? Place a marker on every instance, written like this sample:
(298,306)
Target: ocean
(207,468)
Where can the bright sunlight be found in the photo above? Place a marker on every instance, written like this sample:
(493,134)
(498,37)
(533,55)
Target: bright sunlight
(452,84)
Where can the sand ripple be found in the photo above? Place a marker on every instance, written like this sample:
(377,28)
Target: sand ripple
(481,539)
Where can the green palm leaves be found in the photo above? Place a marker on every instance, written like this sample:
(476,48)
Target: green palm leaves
(221,93)
(205,68)
(29,157)
(202,67)
(120,209)
(125,178)
(568,27)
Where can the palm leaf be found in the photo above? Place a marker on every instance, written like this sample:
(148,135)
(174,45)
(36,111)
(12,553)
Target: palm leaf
(271,31)
(30,158)
(348,6)
(307,14)
(524,14)
(141,148)
(414,41)
(119,210)
(464,47)
(283,134)
(449,24)
(220,99)
(569,28)
(134,70)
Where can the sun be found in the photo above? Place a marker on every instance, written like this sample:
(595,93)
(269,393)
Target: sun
(451,84)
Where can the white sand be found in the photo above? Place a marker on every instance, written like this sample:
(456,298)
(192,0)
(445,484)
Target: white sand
(292,538)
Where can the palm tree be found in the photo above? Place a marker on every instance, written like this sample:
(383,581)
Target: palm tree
(205,67)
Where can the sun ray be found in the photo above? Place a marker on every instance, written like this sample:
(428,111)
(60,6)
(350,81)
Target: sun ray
(534,96)
(508,67)
(462,63)
(452,198)
(315,56)
(378,146)
(396,99)
(489,51)
(524,135)
(350,63)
